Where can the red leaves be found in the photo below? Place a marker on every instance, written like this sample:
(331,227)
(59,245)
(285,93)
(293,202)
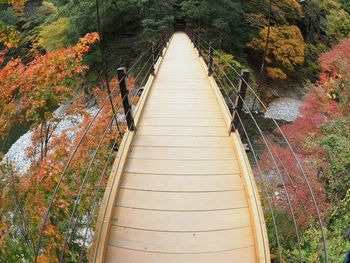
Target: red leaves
(336,62)
(326,101)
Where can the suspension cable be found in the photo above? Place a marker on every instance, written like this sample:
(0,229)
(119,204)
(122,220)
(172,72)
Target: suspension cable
(99,230)
(67,165)
(268,197)
(278,172)
(301,168)
(96,199)
(263,62)
(104,62)
(319,218)
(81,188)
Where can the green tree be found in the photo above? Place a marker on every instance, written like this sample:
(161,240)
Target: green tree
(55,35)
(338,25)
(336,142)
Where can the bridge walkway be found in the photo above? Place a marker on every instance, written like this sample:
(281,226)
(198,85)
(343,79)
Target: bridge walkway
(184,192)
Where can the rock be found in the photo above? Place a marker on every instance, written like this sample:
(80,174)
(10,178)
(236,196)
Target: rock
(283,109)
(17,154)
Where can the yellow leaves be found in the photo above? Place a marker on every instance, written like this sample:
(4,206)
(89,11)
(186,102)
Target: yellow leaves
(9,37)
(17,5)
(286,49)
(276,73)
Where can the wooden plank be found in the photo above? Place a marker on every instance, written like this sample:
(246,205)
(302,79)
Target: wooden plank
(180,122)
(182,96)
(183,114)
(180,106)
(180,201)
(180,242)
(188,183)
(190,221)
(184,141)
(181,131)
(171,153)
(201,101)
(182,167)
(123,255)
(182,87)
(171,91)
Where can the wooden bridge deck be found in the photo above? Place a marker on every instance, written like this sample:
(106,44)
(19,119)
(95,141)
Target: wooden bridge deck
(184,193)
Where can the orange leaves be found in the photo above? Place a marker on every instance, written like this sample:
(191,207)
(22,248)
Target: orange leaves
(89,39)
(50,230)
(42,84)
(85,42)
(43,259)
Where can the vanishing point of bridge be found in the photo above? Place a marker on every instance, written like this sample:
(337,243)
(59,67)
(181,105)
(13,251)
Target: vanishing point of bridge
(181,189)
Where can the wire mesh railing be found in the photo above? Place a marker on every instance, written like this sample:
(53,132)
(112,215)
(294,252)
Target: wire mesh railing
(68,223)
(277,183)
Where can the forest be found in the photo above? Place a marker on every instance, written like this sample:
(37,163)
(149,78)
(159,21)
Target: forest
(59,55)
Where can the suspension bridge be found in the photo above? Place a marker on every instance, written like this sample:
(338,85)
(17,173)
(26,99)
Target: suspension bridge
(181,188)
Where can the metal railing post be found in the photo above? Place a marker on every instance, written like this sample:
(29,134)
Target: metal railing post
(153,60)
(211,59)
(199,45)
(242,90)
(125,99)
(161,46)
(193,39)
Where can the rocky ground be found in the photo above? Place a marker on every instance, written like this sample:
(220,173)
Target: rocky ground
(17,154)
(286,109)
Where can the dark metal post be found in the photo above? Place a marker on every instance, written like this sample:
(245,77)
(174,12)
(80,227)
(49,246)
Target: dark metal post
(199,45)
(161,46)
(153,60)
(124,94)
(211,60)
(193,39)
(242,90)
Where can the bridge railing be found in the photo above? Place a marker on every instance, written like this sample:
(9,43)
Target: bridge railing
(279,179)
(67,229)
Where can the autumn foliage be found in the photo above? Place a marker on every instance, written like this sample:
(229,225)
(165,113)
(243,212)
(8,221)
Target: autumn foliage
(321,139)
(29,92)
(285,50)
